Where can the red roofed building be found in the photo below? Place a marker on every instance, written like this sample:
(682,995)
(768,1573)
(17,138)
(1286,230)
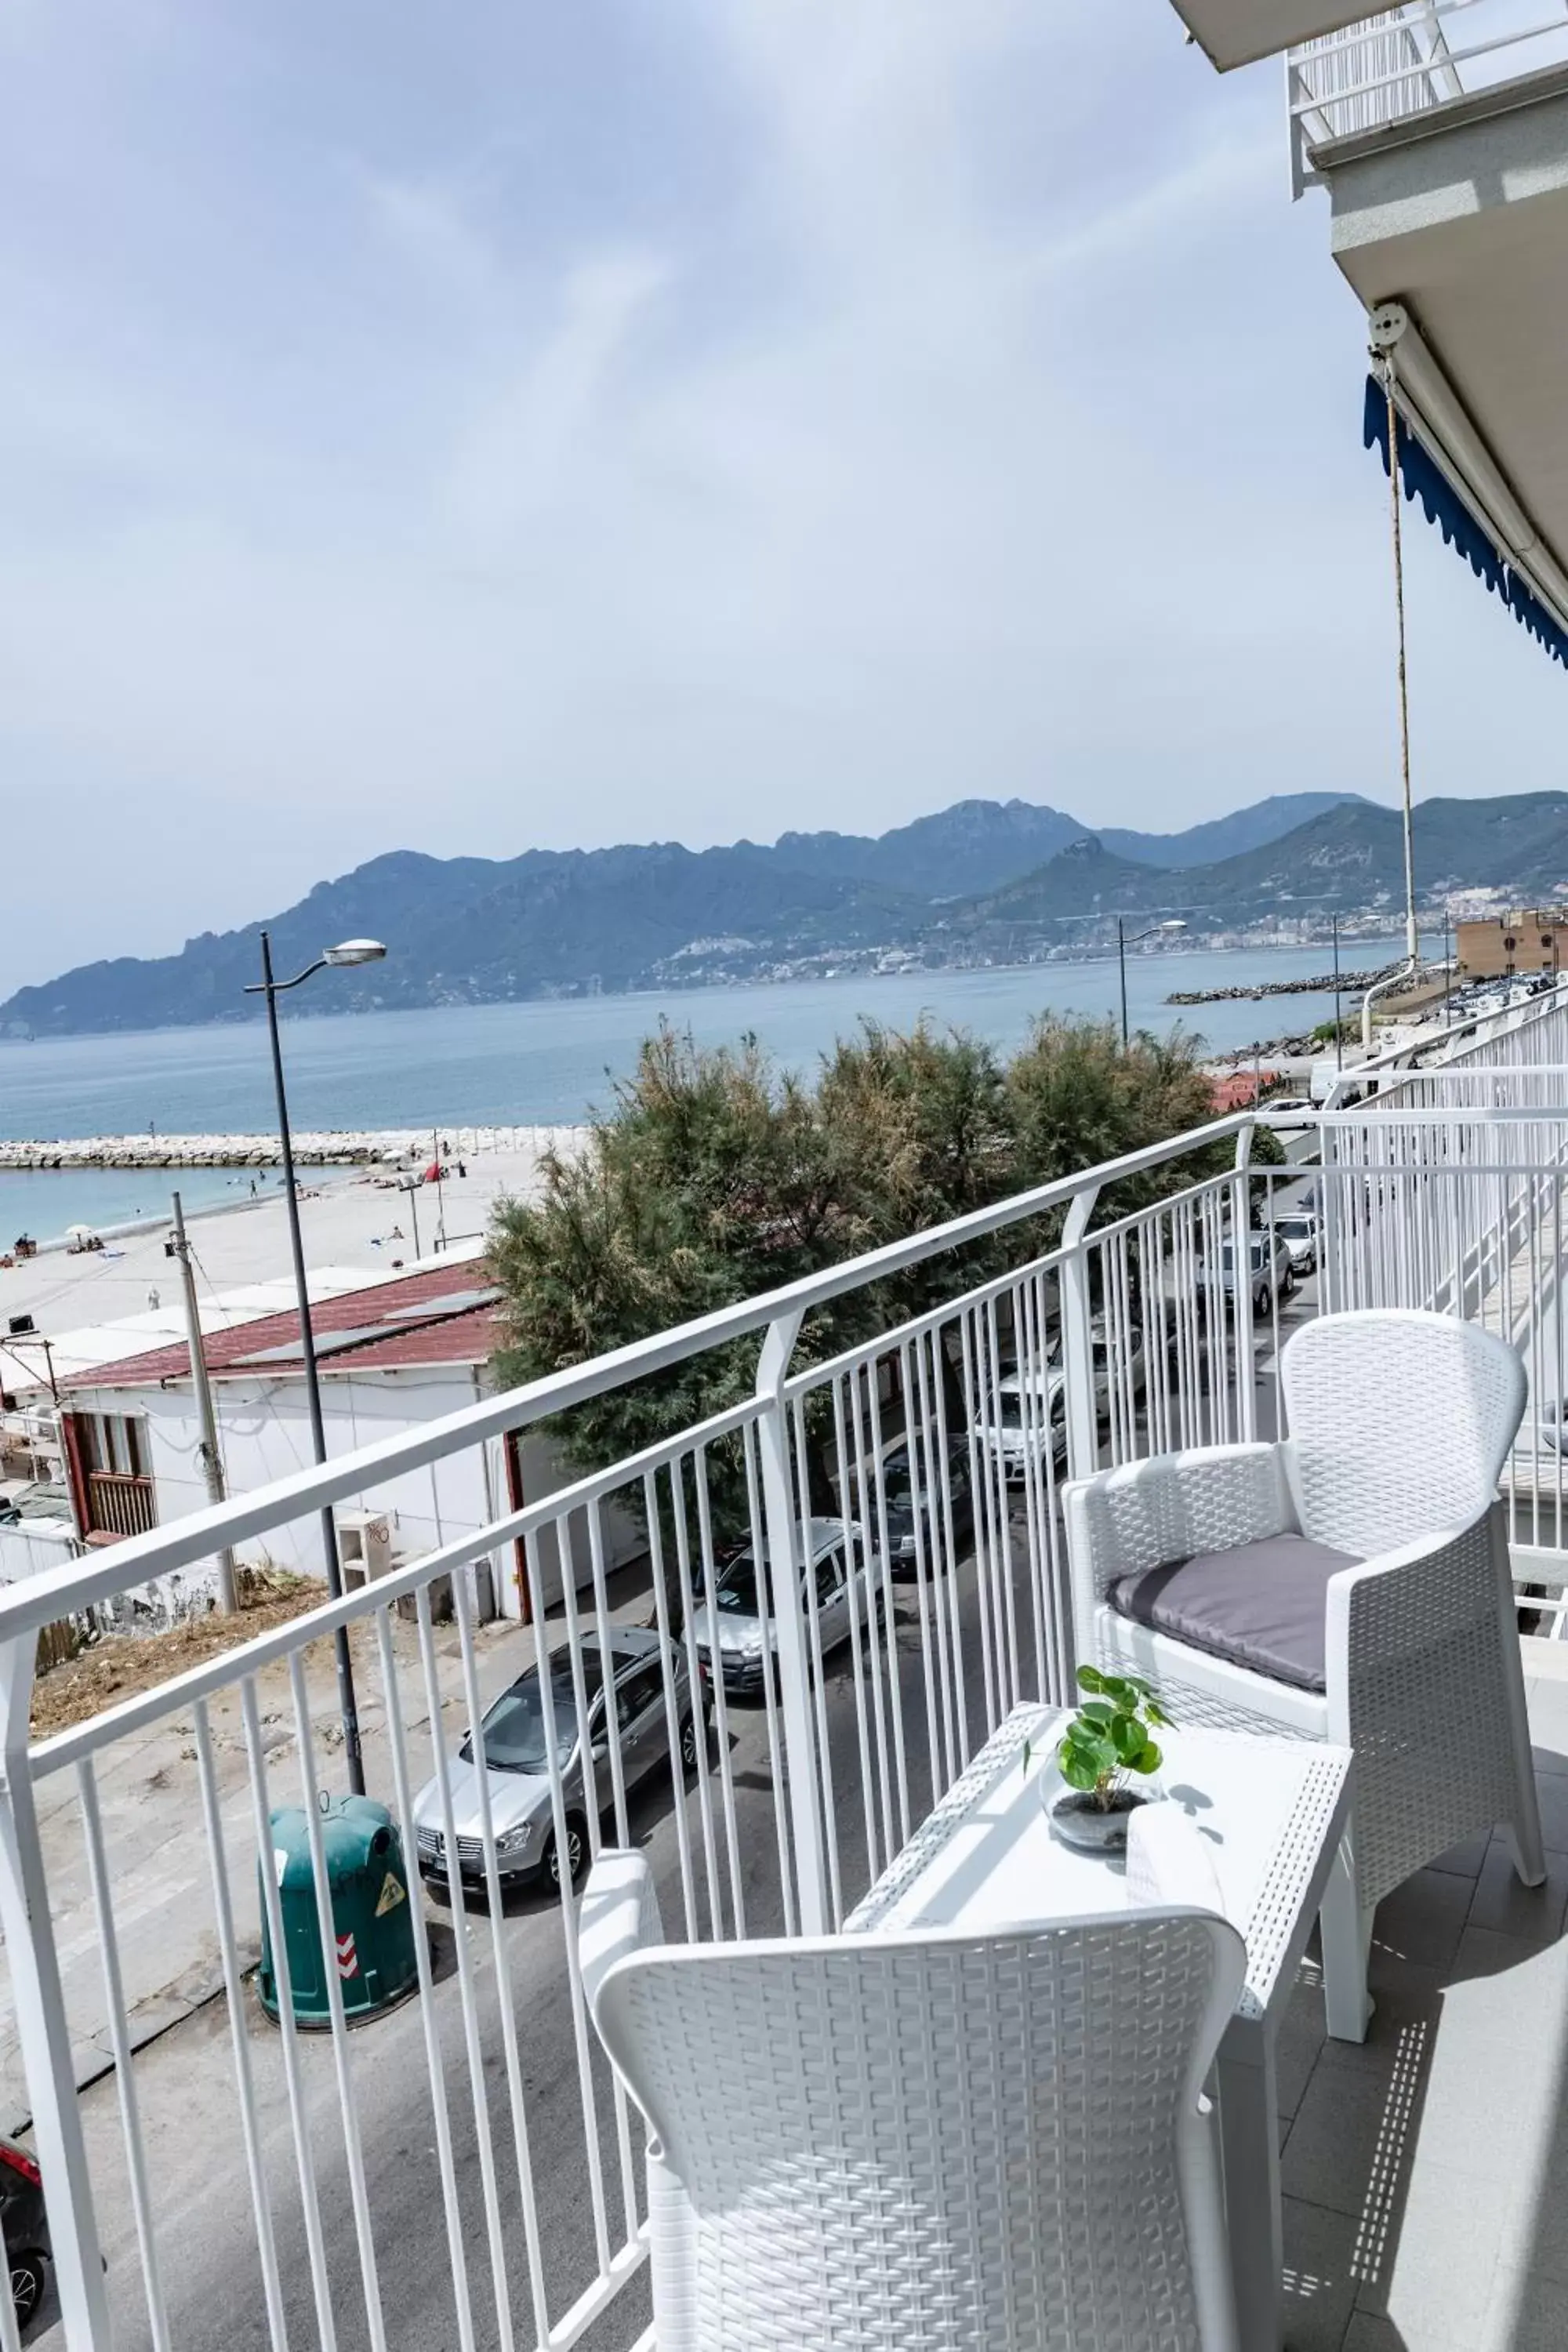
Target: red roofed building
(1239,1089)
(391,1357)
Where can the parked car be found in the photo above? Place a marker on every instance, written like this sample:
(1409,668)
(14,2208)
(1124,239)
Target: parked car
(516,1733)
(746,1638)
(1298,1230)
(1271,1274)
(1129,1365)
(937,1520)
(25,2228)
(1030,1412)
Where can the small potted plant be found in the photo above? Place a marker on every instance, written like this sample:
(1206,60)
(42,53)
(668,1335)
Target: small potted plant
(1104,1752)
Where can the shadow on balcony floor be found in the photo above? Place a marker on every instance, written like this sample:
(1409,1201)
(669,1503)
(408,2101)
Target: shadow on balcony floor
(1425,2173)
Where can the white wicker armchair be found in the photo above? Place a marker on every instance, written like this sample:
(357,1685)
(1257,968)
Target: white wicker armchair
(947,2141)
(1400,1423)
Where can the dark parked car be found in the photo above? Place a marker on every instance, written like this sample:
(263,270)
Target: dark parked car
(25,2227)
(937,1520)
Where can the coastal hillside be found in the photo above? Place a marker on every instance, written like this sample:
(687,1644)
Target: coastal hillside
(1227,836)
(1348,860)
(982,882)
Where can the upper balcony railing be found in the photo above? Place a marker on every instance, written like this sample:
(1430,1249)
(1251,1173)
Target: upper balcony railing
(1408,60)
(886,1519)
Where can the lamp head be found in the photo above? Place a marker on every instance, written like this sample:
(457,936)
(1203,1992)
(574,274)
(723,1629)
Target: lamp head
(1178,924)
(353,951)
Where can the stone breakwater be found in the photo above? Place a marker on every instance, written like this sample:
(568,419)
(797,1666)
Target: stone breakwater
(313,1147)
(1321,983)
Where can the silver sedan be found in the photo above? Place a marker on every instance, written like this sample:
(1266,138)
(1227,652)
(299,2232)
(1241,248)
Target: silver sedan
(517,1734)
(839,1586)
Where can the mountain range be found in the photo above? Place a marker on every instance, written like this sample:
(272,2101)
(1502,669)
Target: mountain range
(984,881)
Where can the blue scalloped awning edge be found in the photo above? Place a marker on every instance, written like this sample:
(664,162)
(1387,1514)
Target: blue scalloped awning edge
(1421,480)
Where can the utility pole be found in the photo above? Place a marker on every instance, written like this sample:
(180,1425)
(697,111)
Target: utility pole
(212,1459)
(1122,967)
(410,1184)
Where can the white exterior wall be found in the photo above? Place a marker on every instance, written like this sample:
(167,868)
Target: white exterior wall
(36,1544)
(264,1431)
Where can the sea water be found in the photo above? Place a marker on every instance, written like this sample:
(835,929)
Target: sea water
(543,1061)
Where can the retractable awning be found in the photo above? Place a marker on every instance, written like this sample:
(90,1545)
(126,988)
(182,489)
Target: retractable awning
(1424,479)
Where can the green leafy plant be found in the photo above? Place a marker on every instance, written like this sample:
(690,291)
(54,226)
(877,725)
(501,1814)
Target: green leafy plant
(1108,1739)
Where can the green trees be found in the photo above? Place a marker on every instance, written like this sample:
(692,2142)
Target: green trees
(714,1178)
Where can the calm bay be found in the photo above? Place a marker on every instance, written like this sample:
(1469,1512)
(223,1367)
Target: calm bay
(549,1060)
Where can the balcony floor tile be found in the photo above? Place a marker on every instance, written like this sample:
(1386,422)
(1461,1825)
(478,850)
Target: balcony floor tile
(1424,1919)
(1509,1908)
(1369,2333)
(1526,2313)
(1431,2260)
(1320,2277)
(1554,1792)
(1425,2171)
(1465,1861)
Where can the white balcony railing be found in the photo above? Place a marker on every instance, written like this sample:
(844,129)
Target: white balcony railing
(463,2170)
(1390,66)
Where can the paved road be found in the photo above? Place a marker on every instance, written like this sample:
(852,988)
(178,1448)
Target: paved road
(185,2085)
(149,1798)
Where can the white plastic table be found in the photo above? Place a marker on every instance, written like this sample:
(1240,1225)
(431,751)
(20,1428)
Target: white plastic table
(1274,1810)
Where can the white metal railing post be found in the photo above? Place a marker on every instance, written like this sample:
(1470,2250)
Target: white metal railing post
(1077,1341)
(1241,1292)
(43,2030)
(1295,90)
(1329,1280)
(800,1762)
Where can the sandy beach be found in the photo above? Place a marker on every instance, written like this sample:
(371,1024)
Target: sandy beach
(359,1222)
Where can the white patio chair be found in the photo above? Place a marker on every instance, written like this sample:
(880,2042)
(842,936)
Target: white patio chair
(1350,1584)
(949,2140)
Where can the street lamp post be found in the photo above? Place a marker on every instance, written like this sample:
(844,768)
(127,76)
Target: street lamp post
(1339,1018)
(351,951)
(1123,944)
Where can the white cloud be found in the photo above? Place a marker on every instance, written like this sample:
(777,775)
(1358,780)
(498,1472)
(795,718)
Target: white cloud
(684,423)
(426,225)
(529,452)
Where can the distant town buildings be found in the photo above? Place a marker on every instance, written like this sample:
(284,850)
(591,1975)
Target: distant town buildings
(1531,939)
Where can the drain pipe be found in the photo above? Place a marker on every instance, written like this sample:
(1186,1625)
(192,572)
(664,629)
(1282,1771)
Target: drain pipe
(1388,324)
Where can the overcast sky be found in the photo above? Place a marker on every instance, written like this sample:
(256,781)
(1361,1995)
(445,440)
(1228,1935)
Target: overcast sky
(467,429)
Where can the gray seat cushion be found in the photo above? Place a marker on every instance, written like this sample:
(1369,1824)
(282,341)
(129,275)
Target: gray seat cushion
(1260,1604)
